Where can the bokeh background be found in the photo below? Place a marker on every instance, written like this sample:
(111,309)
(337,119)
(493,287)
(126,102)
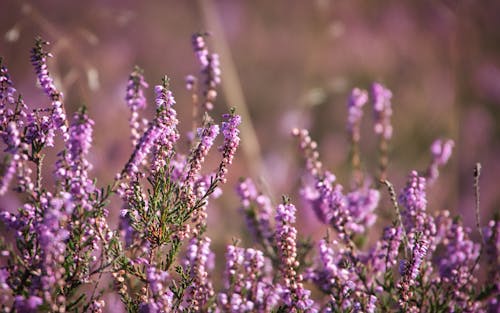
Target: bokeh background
(285,64)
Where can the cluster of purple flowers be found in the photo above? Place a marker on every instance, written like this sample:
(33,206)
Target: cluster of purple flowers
(160,258)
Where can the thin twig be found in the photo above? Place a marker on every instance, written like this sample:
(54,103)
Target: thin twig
(477,174)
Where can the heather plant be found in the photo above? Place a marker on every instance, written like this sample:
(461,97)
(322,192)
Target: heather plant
(60,252)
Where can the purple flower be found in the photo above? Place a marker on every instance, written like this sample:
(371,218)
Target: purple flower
(160,296)
(141,151)
(461,254)
(73,166)
(382,110)
(11,109)
(410,270)
(294,295)
(357,101)
(199,261)
(246,289)
(384,256)
(166,119)
(310,152)
(200,48)
(441,152)
(135,101)
(413,199)
(231,142)
(210,69)
(206,137)
(361,204)
(258,211)
(160,137)
(11,138)
(27,305)
(39,62)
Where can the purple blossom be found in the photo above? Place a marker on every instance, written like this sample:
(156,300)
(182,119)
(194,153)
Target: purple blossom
(409,271)
(294,295)
(141,151)
(53,234)
(382,109)
(160,297)
(310,152)
(461,254)
(73,166)
(11,109)
(231,142)
(357,101)
(206,137)
(384,256)
(328,274)
(27,305)
(166,118)
(199,261)
(135,101)
(361,204)
(39,62)
(190,82)
(160,137)
(414,201)
(245,287)
(212,75)
(11,138)
(257,209)
(210,70)
(200,48)
(441,152)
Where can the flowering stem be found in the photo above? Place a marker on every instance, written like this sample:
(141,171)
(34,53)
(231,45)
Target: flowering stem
(394,201)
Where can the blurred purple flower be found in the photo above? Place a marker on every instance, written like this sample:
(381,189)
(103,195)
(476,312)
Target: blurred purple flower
(382,109)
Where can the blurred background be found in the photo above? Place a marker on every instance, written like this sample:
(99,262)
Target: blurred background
(285,64)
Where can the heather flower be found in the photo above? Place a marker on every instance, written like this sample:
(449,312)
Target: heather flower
(27,305)
(53,234)
(258,212)
(73,166)
(231,141)
(382,110)
(492,239)
(200,48)
(160,296)
(361,204)
(210,69)
(135,101)
(206,137)
(142,150)
(11,138)
(11,109)
(167,121)
(39,62)
(328,275)
(409,271)
(441,152)
(294,295)
(159,138)
(357,101)
(457,268)
(415,218)
(246,290)
(384,256)
(322,195)
(311,154)
(198,262)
